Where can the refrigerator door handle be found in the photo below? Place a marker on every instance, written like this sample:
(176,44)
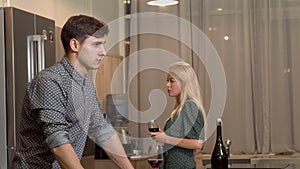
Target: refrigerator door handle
(33,40)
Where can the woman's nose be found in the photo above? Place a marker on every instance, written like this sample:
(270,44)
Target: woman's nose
(168,84)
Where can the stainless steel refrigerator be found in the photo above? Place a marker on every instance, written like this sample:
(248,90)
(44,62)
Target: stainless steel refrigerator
(26,46)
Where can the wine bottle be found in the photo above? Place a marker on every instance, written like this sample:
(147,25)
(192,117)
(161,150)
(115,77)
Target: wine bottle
(219,159)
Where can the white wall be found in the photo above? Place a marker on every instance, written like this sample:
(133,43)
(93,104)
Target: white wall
(61,10)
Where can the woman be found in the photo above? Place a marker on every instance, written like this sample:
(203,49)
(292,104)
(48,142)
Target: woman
(184,129)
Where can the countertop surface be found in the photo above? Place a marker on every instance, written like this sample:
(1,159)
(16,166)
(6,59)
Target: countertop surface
(262,161)
(270,161)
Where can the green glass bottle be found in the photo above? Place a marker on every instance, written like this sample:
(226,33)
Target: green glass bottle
(219,159)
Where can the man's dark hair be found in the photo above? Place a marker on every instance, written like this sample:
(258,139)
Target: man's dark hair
(80,27)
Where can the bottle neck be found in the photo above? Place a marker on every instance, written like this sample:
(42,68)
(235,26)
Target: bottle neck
(219,132)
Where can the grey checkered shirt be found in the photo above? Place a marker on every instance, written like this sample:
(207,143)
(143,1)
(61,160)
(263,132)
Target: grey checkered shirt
(60,107)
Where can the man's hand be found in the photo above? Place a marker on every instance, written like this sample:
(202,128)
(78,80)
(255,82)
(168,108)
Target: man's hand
(115,151)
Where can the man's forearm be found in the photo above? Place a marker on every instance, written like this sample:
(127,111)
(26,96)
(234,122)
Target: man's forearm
(121,161)
(115,151)
(66,157)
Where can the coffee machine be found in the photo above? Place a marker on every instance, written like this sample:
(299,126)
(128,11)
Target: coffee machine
(116,108)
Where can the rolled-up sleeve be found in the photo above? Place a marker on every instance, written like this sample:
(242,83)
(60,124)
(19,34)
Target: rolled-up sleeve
(55,128)
(57,139)
(47,100)
(100,128)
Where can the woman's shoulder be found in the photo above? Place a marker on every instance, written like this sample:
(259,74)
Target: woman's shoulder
(191,106)
(190,103)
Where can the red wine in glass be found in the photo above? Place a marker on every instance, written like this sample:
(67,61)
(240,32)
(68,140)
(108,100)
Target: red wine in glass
(153,126)
(155,163)
(154,129)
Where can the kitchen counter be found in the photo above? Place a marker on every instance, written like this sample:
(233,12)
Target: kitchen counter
(90,163)
(270,161)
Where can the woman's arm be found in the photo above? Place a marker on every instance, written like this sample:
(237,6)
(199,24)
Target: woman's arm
(162,137)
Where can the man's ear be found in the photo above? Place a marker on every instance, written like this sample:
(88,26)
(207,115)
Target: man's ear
(74,45)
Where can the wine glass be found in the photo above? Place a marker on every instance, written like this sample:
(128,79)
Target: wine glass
(156,160)
(153,126)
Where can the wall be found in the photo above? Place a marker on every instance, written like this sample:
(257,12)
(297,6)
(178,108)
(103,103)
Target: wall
(53,9)
(60,10)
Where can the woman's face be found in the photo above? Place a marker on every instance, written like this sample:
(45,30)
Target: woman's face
(173,86)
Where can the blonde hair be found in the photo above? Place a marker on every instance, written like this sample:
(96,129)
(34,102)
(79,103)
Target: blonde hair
(190,88)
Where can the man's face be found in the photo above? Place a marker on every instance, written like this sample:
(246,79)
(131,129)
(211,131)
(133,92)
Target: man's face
(91,53)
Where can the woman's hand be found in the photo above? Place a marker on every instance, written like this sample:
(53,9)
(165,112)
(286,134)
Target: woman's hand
(160,137)
(197,151)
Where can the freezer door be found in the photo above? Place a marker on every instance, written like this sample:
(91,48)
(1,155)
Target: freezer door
(18,25)
(3,151)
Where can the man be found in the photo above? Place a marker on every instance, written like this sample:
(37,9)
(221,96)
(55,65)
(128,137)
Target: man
(61,108)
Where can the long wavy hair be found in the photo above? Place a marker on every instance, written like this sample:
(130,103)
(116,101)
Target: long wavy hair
(190,88)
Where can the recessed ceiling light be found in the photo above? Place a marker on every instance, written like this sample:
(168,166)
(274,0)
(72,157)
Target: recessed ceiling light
(226,37)
(162,2)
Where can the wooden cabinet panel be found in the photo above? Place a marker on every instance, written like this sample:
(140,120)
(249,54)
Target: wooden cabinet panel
(103,78)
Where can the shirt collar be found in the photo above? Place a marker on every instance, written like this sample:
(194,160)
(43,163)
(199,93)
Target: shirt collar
(73,72)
